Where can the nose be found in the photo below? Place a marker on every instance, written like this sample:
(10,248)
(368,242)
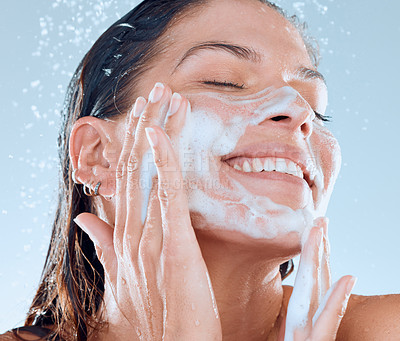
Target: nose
(290,111)
(296,122)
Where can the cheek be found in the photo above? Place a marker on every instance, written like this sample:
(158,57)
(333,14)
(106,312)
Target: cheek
(226,112)
(327,151)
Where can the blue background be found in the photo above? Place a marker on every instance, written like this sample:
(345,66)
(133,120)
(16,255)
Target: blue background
(43,42)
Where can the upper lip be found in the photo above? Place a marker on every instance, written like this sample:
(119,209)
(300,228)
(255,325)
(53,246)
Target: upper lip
(277,150)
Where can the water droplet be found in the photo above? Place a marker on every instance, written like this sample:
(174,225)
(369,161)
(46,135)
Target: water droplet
(107,72)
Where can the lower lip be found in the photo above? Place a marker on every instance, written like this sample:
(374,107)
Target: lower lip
(269,183)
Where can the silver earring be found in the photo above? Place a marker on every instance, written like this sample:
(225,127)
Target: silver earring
(96,189)
(89,192)
(74,177)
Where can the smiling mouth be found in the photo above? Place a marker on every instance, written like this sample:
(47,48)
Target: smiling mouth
(273,164)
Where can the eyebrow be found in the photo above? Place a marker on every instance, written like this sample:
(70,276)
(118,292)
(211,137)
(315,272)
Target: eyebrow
(309,74)
(242,52)
(245,53)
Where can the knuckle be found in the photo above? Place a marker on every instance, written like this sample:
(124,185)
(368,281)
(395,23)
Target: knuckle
(129,247)
(118,228)
(179,258)
(119,173)
(167,194)
(146,117)
(151,220)
(132,164)
(118,249)
(130,132)
(148,255)
(161,162)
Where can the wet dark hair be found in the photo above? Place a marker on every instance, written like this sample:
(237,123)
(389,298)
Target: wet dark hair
(72,283)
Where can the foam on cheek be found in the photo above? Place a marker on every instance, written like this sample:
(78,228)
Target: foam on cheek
(329,167)
(213,134)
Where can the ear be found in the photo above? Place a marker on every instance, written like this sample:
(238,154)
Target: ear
(90,143)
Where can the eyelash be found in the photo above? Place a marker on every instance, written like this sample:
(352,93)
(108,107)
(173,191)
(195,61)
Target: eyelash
(319,116)
(323,118)
(225,83)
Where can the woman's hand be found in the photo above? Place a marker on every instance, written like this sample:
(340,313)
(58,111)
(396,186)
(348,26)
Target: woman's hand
(315,307)
(157,285)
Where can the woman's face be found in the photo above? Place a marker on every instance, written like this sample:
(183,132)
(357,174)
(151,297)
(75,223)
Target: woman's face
(255,158)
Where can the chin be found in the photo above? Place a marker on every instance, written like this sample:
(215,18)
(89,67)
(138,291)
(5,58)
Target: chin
(285,244)
(295,202)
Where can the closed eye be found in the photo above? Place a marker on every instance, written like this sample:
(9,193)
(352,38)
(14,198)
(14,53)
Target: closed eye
(323,118)
(225,84)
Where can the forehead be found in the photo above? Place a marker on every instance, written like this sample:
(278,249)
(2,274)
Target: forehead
(243,22)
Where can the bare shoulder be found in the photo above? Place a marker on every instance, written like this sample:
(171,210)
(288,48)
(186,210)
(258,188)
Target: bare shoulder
(369,318)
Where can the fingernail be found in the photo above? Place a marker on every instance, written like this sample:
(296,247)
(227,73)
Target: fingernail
(139,106)
(156,93)
(175,104)
(151,137)
(350,285)
(79,223)
(320,234)
(87,231)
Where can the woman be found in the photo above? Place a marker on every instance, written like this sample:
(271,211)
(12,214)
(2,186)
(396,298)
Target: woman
(198,200)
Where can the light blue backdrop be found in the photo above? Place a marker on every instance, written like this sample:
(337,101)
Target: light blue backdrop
(42,43)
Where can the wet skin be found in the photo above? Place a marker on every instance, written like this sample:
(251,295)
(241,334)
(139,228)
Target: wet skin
(280,58)
(243,269)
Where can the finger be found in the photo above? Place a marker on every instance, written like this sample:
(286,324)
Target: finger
(131,123)
(154,113)
(152,233)
(178,233)
(121,178)
(325,267)
(183,263)
(331,311)
(149,255)
(304,299)
(101,235)
(151,242)
(141,168)
(179,106)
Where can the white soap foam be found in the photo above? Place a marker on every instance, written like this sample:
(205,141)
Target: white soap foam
(325,300)
(211,134)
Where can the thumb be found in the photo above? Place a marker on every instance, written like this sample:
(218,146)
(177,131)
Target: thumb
(101,235)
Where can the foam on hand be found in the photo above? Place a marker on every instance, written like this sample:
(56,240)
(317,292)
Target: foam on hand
(148,171)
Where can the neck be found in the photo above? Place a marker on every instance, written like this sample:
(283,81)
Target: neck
(247,286)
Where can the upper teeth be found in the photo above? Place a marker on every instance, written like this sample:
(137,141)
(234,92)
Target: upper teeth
(268,164)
